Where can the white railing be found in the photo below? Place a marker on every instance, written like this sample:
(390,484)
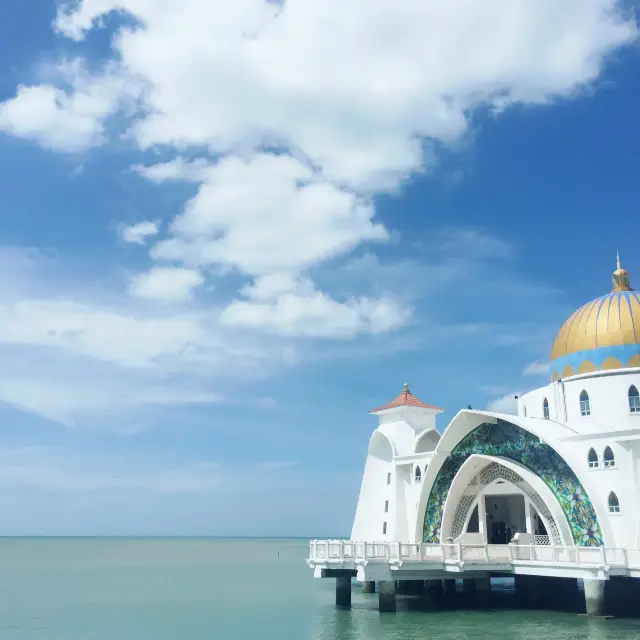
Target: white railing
(354,552)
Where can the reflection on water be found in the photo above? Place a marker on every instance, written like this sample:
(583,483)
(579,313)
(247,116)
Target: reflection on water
(463,618)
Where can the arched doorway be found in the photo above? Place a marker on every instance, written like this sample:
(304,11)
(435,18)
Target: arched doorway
(498,503)
(505,440)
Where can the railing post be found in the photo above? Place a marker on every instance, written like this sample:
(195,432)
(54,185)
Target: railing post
(341,550)
(486,553)
(459,552)
(510,553)
(531,552)
(398,548)
(603,555)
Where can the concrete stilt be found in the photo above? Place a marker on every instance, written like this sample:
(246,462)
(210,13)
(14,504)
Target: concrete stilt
(483,584)
(434,586)
(416,587)
(386,596)
(449,586)
(594,597)
(343,592)
(469,586)
(368,586)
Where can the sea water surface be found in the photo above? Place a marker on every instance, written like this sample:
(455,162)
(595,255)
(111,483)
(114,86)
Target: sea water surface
(218,589)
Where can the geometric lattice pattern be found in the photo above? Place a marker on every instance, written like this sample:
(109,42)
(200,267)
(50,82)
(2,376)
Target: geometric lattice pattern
(507,440)
(484,478)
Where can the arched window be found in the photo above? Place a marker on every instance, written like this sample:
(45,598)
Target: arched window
(585,405)
(593,459)
(545,409)
(609,458)
(634,399)
(614,503)
(418,475)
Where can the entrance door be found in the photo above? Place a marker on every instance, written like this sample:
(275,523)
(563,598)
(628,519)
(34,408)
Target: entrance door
(505,517)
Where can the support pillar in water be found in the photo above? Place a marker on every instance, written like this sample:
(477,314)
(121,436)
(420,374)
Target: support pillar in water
(483,584)
(368,586)
(449,586)
(469,586)
(343,592)
(434,586)
(386,596)
(594,597)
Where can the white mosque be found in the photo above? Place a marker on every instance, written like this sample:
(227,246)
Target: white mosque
(551,491)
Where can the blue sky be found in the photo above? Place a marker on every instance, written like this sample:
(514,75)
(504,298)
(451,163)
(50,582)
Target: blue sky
(228,234)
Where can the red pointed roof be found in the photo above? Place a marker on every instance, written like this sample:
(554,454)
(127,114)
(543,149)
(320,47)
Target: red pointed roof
(406,398)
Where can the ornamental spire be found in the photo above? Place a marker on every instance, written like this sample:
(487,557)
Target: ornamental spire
(620,277)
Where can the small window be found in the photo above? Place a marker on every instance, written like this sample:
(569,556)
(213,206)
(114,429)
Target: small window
(634,399)
(384,528)
(585,405)
(386,506)
(609,458)
(388,478)
(545,409)
(593,459)
(614,503)
(525,410)
(418,475)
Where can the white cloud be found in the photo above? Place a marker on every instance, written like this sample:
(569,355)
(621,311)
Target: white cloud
(318,315)
(274,465)
(53,470)
(325,88)
(80,355)
(505,404)
(139,233)
(70,119)
(268,214)
(168,284)
(310,80)
(536,369)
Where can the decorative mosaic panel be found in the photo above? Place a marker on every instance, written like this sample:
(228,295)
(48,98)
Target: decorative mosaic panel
(509,441)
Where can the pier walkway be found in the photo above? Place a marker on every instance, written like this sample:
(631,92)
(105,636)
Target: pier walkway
(391,564)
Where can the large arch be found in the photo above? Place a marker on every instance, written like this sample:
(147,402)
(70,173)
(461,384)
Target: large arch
(480,471)
(502,439)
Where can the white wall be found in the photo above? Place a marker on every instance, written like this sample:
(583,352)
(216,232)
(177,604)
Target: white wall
(608,397)
(374,491)
(610,412)
(392,449)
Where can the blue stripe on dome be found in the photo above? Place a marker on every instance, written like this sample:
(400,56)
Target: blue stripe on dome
(621,352)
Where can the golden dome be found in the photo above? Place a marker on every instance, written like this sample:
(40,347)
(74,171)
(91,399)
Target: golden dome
(602,334)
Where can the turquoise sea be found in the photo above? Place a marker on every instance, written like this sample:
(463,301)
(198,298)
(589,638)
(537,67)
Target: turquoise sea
(219,589)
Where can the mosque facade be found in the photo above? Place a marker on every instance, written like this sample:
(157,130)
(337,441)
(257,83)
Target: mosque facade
(564,471)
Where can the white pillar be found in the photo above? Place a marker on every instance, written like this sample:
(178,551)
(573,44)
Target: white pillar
(527,516)
(594,597)
(482,517)
(387,595)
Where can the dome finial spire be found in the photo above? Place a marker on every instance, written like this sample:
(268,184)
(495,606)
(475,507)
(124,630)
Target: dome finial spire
(620,277)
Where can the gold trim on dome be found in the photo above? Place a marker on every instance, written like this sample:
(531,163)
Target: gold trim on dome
(567,372)
(611,363)
(634,361)
(586,367)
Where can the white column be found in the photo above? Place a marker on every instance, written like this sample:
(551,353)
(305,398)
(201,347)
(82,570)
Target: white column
(482,517)
(527,516)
